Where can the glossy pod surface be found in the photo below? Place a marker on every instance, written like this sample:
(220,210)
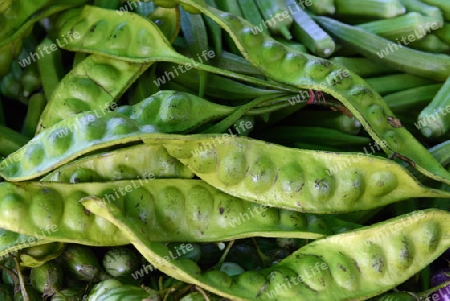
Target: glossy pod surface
(382,256)
(308,72)
(166,111)
(134,39)
(69,139)
(122,164)
(29,208)
(175,111)
(171,210)
(294,179)
(94,84)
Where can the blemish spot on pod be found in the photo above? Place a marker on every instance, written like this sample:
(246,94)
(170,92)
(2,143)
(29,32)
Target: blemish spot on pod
(83,175)
(290,181)
(119,38)
(261,175)
(227,205)
(251,281)
(427,237)
(322,188)
(199,207)
(233,168)
(58,143)
(13,208)
(292,219)
(139,203)
(175,108)
(376,114)
(286,279)
(318,68)
(250,39)
(83,88)
(47,207)
(362,94)
(313,271)
(370,259)
(350,186)
(95,33)
(340,79)
(76,218)
(119,126)
(272,51)
(401,252)
(170,208)
(218,279)
(318,225)
(344,271)
(204,161)
(381,183)
(94,129)
(33,155)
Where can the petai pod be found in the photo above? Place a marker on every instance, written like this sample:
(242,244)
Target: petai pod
(53,212)
(17,22)
(166,111)
(122,164)
(68,139)
(134,39)
(308,72)
(94,84)
(294,179)
(383,256)
(172,210)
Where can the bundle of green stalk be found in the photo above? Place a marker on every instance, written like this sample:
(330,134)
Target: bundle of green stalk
(171,154)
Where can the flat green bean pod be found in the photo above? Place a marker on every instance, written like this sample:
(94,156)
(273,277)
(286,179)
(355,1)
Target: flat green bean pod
(69,139)
(134,39)
(122,164)
(308,72)
(381,257)
(34,207)
(165,111)
(295,179)
(16,23)
(172,210)
(94,84)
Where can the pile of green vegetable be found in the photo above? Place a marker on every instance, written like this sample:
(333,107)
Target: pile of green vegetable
(224,150)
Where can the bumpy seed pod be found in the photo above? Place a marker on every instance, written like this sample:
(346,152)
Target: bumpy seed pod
(174,209)
(294,179)
(322,270)
(308,72)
